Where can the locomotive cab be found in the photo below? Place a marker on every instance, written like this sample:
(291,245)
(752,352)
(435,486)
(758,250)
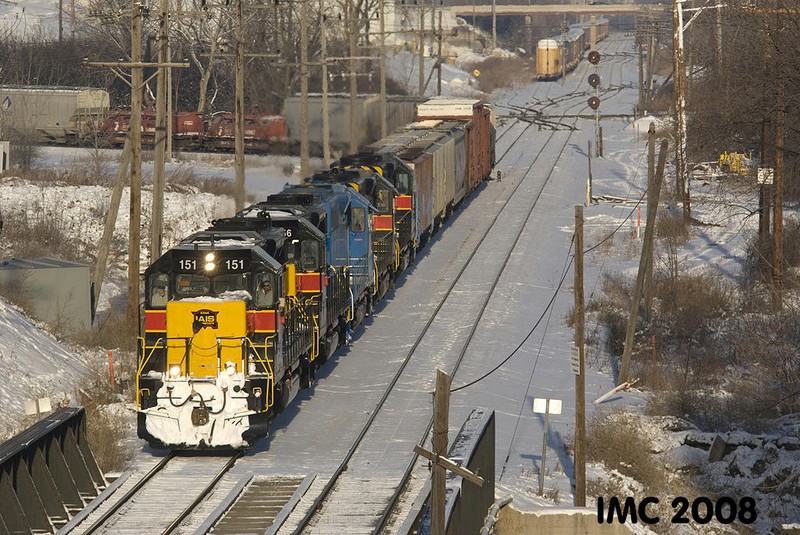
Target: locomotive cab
(220,338)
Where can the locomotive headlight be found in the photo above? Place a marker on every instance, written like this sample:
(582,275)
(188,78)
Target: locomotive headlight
(210,266)
(230,367)
(210,257)
(175,371)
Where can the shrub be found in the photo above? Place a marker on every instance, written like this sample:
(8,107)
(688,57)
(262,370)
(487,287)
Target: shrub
(106,430)
(184,177)
(618,442)
(45,234)
(110,332)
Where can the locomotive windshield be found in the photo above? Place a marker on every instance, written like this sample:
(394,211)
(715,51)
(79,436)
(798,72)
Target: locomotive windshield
(305,254)
(194,285)
(402,183)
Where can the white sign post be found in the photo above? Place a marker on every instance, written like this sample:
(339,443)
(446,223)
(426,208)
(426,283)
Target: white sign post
(765,175)
(546,406)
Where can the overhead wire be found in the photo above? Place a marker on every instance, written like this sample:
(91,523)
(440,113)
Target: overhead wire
(530,332)
(567,266)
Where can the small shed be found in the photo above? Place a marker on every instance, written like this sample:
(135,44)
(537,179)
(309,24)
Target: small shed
(56,292)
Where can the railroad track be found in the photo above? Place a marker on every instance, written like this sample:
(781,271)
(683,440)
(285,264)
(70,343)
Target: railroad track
(160,500)
(362,492)
(370,469)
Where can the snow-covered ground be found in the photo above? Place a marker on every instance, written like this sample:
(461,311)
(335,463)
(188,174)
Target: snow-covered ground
(33,364)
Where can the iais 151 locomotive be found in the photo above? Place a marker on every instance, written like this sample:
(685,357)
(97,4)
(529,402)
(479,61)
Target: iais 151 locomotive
(238,317)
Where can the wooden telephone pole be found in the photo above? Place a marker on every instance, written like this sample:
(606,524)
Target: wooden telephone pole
(649,231)
(580,377)
(438,457)
(157,221)
(132,153)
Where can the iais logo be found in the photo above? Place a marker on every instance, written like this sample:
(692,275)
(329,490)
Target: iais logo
(204,318)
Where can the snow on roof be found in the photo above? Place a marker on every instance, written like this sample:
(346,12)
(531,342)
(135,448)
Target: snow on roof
(447,107)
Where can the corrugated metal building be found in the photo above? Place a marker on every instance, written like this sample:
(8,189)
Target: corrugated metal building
(57,292)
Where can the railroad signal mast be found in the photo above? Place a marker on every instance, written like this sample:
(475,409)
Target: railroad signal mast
(594,101)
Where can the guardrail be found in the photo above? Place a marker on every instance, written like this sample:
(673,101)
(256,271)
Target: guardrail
(47,474)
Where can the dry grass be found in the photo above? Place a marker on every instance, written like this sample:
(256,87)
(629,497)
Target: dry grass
(614,439)
(185,179)
(40,234)
(106,429)
(111,331)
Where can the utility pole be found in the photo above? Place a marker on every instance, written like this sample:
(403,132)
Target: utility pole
(421,48)
(439,57)
(441,411)
(649,231)
(777,203)
(238,158)
(326,127)
(134,237)
(651,164)
(382,8)
(580,377)
(679,71)
(160,137)
(777,206)
(111,219)
(438,457)
(650,67)
(305,167)
(640,47)
(494,25)
(351,12)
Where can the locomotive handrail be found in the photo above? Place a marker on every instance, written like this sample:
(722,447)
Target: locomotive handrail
(313,301)
(375,263)
(266,363)
(396,252)
(144,361)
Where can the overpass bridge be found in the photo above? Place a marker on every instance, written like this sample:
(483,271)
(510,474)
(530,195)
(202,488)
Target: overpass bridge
(588,9)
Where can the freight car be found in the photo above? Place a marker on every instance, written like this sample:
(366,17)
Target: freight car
(261,133)
(188,128)
(51,114)
(240,316)
(558,55)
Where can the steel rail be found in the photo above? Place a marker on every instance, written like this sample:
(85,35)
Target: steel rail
(188,510)
(128,495)
(390,506)
(351,452)
(314,508)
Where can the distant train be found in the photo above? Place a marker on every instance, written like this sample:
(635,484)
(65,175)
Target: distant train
(559,54)
(51,114)
(238,317)
(261,132)
(82,116)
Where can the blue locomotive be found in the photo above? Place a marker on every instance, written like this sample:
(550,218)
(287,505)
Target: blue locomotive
(238,317)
